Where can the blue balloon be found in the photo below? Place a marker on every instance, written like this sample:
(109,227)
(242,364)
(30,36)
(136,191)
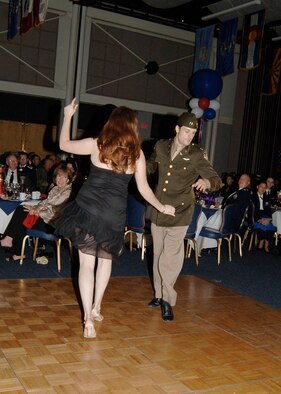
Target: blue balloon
(209,114)
(206,83)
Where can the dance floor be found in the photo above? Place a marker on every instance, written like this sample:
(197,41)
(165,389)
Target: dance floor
(220,341)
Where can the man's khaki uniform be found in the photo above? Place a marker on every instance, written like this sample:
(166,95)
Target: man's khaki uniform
(175,178)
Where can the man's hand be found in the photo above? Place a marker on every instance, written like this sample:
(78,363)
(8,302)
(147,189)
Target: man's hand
(202,184)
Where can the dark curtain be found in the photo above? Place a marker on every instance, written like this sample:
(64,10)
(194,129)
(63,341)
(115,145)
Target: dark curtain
(261,130)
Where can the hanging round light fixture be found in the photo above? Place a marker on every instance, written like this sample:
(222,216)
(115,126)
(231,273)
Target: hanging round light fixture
(165,3)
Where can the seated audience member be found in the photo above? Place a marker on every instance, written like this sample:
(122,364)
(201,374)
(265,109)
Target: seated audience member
(11,173)
(26,173)
(47,211)
(270,191)
(229,186)
(43,174)
(241,198)
(35,161)
(263,218)
(78,178)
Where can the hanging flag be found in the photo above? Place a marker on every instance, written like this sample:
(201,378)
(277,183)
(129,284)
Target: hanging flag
(252,40)
(26,16)
(13,18)
(40,11)
(203,47)
(272,70)
(225,47)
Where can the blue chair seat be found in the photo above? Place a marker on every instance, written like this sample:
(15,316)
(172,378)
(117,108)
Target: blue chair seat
(37,234)
(226,231)
(209,232)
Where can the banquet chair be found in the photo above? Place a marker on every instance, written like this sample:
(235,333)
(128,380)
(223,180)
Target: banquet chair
(249,222)
(136,222)
(47,237)
(191,231)
(226,231)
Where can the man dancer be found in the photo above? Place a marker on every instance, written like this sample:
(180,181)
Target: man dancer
(182,167)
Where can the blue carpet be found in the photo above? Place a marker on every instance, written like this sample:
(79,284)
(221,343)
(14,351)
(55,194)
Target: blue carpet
(256,275)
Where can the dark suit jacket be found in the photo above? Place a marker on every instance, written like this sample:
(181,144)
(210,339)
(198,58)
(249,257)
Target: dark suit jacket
(266,211)
(175,179)
(27,183)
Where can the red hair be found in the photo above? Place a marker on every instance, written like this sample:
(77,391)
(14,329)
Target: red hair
(119,143)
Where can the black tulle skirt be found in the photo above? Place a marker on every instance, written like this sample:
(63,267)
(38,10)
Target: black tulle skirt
(89,233)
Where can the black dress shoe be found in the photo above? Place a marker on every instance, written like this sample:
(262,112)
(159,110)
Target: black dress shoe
(167,312)
(155,302)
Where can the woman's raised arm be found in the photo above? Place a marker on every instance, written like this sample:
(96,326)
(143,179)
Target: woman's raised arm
(81,147)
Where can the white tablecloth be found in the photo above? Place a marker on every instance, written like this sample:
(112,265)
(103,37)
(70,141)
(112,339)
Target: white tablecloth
(276,220)
(5,219)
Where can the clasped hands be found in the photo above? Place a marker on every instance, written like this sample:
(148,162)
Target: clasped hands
(30,209)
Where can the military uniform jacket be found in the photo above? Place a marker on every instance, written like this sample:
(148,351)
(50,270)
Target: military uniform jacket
(175,179)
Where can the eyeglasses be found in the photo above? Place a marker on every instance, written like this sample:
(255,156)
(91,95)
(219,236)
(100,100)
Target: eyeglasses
(12,161)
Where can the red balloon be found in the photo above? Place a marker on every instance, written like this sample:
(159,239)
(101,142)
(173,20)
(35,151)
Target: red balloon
(203,103)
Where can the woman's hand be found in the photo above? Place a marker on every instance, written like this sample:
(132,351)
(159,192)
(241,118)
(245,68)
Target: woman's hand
(31,210)
(71,108)
(168,210)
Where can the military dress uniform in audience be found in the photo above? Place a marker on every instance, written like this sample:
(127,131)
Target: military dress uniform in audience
(241,199)
(263,218)
(271,192)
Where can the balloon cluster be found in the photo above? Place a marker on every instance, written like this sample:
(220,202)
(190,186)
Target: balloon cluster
(205,86)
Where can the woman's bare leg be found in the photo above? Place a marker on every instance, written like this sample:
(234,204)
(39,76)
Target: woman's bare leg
(86,287)
(102,277)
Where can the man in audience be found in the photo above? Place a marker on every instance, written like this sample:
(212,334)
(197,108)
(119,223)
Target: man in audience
(26,173)
(11,174)
(43,172)
(271,192)
(241,198)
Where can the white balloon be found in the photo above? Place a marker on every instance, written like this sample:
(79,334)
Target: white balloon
(214,104)
(193,103)
(198,112)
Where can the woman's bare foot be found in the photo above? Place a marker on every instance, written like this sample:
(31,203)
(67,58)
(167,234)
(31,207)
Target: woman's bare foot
(7,242)
(96,315)
(89,329)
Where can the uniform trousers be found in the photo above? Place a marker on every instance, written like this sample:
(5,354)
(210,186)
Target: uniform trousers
(168,257)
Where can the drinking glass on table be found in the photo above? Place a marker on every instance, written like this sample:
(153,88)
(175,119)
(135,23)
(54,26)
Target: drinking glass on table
(8,189)
(27,191)
(15,188)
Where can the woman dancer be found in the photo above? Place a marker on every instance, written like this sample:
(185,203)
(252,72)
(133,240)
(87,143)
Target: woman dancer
(95,220)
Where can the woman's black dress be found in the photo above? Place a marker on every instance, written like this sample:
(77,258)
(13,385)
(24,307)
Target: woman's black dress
(96,219)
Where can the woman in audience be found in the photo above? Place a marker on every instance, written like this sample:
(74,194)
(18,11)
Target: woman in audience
(45,213)
(229,186)
(263,218)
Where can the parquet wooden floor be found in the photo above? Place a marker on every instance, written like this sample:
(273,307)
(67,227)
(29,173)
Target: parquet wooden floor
(220,342)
